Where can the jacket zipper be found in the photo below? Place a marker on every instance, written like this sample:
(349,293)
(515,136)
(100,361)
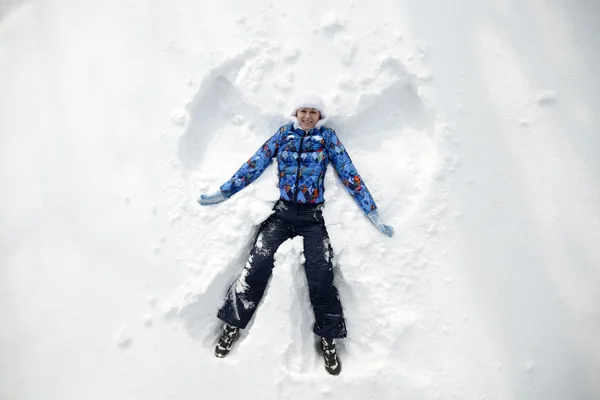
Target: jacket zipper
(299,161)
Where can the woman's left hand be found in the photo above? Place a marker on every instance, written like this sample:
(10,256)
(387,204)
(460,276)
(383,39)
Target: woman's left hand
(387,230)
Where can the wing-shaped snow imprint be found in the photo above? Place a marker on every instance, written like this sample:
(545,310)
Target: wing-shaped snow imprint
(397,106)
(396,117)
(217,102)
(196,303)
(393,122)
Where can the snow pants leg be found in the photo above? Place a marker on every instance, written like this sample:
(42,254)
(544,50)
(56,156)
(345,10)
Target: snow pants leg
(318,265)
(245,293)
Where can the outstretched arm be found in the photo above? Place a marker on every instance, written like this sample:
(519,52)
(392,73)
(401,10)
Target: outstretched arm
(248,172)
(340,159)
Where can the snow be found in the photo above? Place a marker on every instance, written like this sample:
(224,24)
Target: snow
(546,96)
(474,125)
(124,336)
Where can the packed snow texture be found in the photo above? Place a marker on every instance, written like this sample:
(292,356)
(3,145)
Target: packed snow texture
(474,126)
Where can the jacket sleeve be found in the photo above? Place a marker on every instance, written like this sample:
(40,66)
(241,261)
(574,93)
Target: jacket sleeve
(254,167)
(348,174)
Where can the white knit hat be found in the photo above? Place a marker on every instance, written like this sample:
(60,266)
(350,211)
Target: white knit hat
(309,100)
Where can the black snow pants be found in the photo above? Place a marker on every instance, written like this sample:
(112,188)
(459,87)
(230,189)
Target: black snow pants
(289,220)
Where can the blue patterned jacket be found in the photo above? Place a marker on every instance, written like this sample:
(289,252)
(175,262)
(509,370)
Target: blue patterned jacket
(302,158)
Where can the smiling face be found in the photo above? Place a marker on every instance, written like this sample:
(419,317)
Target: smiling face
(308,117)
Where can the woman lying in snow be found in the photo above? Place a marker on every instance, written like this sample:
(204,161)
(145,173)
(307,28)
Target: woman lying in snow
(303,150)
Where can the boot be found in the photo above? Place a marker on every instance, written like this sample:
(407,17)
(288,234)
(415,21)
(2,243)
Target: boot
(332,363)
(229,335)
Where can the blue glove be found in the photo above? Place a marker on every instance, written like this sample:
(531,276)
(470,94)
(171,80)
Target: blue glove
(376,220)
(206,200)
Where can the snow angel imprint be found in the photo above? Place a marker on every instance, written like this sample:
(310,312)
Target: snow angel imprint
(303,149)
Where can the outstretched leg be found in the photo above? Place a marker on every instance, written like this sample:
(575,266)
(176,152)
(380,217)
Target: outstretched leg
(247,291)
(329,318)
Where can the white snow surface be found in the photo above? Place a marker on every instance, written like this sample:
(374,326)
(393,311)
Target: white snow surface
(473,123)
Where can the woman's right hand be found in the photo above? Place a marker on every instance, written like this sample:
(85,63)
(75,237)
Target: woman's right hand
(208,199)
